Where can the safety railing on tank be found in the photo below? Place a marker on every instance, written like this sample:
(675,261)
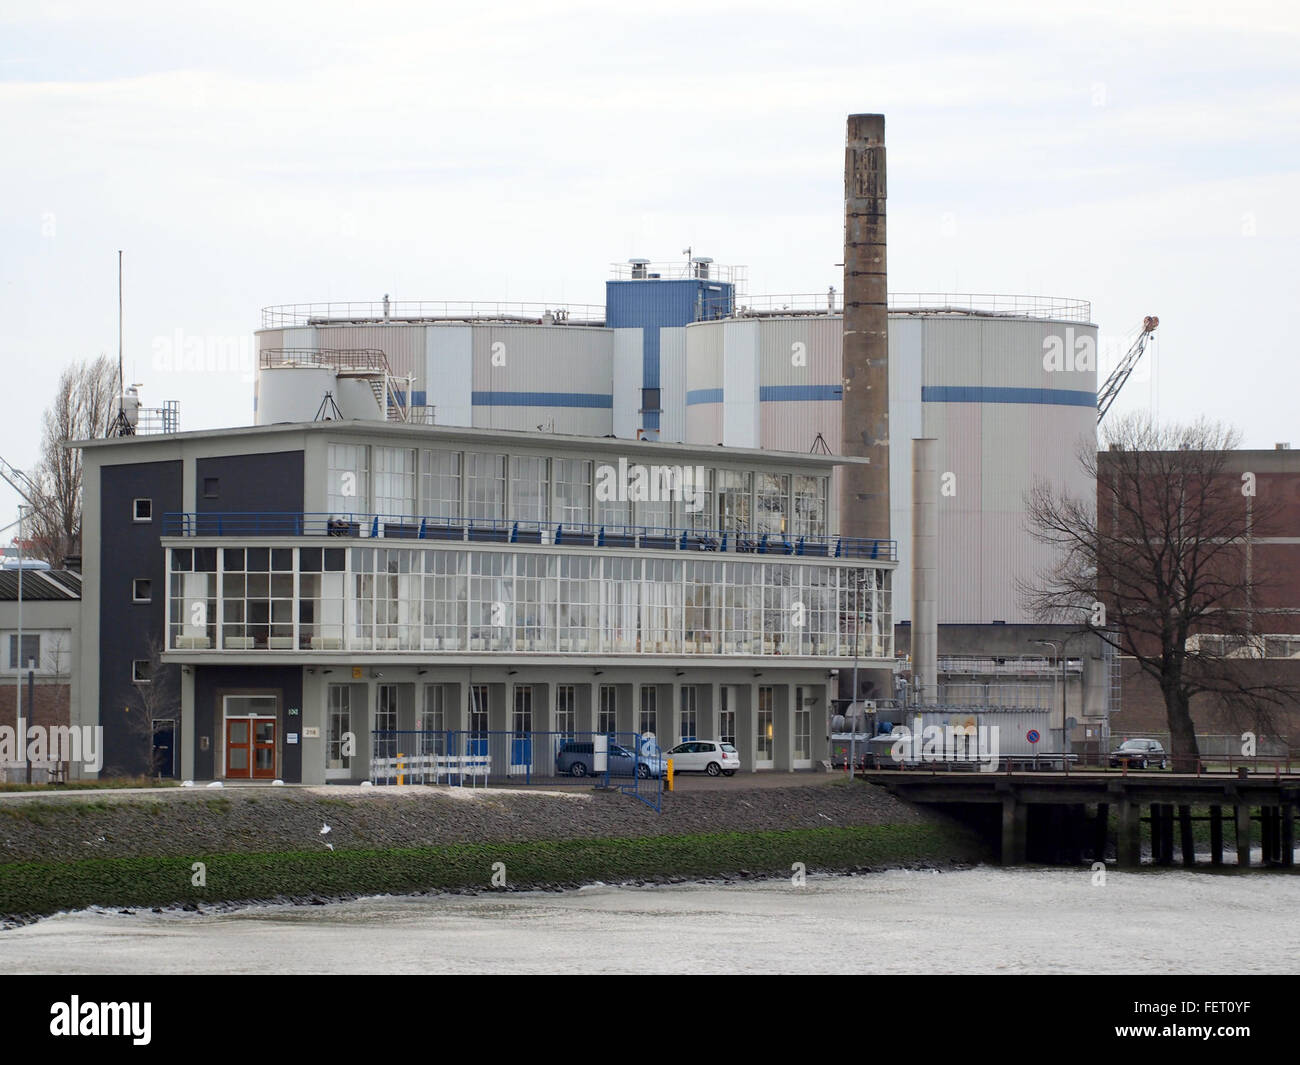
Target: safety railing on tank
(508,531)
(831,302)
(366,312)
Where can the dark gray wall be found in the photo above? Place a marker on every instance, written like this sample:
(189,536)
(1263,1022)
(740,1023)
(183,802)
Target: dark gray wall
(210,682)
(258,483)
(130,549)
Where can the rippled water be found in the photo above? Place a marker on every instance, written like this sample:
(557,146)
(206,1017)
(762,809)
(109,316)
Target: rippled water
(980,920)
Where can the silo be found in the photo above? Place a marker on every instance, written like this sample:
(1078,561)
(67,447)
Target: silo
(292,393)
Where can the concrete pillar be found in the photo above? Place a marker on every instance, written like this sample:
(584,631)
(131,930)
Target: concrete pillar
(1185,834)
(1129,841)
(1101,831)
(864,509)
(1288,833)
(1015,830)
(1216,835)
(925,568)
(783,727)
(1241,812)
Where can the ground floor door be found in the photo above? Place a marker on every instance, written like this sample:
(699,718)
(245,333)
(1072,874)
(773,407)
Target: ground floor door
(250,737)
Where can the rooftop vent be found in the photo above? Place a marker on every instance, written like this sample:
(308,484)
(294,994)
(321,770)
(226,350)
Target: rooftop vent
(700,267)
(1282,447)
(638,268)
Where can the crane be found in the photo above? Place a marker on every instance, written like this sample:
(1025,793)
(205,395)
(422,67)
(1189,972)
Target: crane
(1108,391)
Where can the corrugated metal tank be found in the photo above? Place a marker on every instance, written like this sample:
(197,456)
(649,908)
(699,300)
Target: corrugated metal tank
(704,342)
(556,376)
(980,384)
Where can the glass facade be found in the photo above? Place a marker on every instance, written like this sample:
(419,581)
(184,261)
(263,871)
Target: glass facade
(558,600)
(373,479)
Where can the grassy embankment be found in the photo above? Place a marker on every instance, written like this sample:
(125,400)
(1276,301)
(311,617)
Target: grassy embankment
(33,888)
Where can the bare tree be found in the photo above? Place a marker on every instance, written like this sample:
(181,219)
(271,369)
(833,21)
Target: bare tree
(150,702)
(82,409)
(1159,555)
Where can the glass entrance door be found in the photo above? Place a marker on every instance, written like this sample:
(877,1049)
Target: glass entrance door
(250,736)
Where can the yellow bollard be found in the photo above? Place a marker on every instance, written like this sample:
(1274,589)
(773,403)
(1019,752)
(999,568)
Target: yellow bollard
(400,779)
(669,778)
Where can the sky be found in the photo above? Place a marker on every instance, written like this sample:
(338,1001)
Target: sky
(1143,156)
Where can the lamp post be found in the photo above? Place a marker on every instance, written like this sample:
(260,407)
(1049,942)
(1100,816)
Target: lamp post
(1059,646)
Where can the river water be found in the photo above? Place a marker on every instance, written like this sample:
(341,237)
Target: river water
(973,921)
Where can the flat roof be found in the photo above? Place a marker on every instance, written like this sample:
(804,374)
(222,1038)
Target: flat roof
(413,434)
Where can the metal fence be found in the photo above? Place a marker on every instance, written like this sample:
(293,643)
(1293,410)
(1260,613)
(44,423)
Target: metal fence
(511,531)
(480,759)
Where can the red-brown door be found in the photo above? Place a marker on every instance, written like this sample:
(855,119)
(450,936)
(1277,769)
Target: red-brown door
(264,747)
(239,747)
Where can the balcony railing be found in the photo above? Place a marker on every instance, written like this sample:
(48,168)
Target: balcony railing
(506,531)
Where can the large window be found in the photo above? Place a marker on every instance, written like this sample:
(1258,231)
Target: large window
(386,740)
(394,478)
(772,503)
(566,712)
(620,605)
(608,720)
(349,479)
(579,604)
(491,602)
(572,491)
(649,710)
(702,593)
(764,722)
(662,611)
(735,492)
(690,712)
(478,708)
(534,602)
(440,491)
(523,719)
(698,507)
(809,506)
(726,716)
(446,601)
(486,485)
(339,737)
(802,726)
(530,488)
(31,656)
(611,510)
(432,599)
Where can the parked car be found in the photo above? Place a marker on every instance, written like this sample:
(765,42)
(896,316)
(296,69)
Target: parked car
(1139,754)
(577,758)
(705,756)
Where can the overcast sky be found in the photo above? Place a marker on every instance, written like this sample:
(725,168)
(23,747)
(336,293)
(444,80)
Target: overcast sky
(1139,155)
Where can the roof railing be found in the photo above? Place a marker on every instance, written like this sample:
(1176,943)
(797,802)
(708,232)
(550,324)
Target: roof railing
(513,531)
(384,312)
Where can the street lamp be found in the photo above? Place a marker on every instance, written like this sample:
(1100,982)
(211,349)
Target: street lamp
(1062,645)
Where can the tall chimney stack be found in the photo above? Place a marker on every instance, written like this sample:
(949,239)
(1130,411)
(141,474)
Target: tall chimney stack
(864,500)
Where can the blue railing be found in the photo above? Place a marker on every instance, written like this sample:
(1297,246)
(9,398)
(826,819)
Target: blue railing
(506,531)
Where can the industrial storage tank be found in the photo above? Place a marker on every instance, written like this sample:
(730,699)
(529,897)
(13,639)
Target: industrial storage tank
(1007,385)
(292,393)
(497,365)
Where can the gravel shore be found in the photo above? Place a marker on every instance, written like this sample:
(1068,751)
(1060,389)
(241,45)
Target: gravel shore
(195,822)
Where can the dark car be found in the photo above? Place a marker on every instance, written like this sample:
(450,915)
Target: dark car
(576,758)
(1139,754)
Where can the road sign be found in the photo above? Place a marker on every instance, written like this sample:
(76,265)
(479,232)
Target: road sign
(1032,735)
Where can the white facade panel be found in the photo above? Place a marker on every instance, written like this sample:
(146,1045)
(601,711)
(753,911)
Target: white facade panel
(740,421)
(672,384)
(449,373)
(628,359)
